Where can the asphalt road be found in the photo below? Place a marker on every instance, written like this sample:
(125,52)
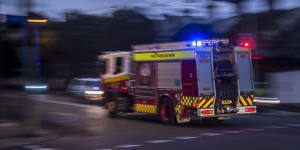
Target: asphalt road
(78,126)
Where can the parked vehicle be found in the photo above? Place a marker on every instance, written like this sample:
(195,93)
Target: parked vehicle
(86,87)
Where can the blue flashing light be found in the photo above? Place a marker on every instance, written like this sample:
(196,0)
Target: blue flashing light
(194,43)
(199,43)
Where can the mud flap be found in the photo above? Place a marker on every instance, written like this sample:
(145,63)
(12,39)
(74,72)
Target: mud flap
(182,119)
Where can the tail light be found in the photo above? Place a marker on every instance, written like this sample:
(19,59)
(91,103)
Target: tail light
(206,112)
(251,109)
(246,44)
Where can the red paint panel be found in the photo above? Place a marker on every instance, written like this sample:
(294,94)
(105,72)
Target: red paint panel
(149,102)
(171,95)
(189,78)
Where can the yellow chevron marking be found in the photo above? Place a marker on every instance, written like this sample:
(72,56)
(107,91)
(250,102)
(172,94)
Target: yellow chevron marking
(252,96)
(239,104)
(209,101)
(249,100)
(202,102)
(243,101)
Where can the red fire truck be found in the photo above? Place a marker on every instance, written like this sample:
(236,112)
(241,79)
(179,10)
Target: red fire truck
(208,79)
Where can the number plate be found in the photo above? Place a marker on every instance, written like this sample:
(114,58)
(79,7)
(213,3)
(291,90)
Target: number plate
(226,102)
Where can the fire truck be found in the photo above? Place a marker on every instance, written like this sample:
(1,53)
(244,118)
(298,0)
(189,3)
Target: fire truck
(208,79)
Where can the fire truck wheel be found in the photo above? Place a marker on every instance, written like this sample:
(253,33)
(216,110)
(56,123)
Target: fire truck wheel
(167,112)
(112,111)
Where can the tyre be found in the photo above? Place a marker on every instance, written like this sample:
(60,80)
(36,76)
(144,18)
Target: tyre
(167,112)
(112,109)
(111,104)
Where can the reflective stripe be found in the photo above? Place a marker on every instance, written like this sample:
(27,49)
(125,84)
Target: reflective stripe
(249,101)
(209,101)
(145,108)
(117,78)
(168,55)
(243,101)
(202,102)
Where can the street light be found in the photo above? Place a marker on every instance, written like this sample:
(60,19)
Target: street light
(37,20)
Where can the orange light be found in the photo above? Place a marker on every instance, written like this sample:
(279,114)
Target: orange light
(194,105)
(206,112)
(250,109)
(37,20)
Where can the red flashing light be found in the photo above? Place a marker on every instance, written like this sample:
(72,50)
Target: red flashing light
(246,44)
(250,109)
(206,112)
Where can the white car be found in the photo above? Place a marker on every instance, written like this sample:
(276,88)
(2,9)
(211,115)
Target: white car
(86,87)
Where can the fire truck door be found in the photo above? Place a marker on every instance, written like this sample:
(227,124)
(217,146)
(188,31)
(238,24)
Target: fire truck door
(205,73)
(189,78)
(244,69)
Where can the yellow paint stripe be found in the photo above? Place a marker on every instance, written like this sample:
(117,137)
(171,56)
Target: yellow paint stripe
(239,104)
(252,96)
(149,56)
(249,100)
(116,79)
(243,101)
(202,102)
(209,102)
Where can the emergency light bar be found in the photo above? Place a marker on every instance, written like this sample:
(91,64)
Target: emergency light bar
(210,42)
(179,45)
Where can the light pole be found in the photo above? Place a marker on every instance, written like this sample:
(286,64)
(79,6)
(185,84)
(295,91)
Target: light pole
(35,22)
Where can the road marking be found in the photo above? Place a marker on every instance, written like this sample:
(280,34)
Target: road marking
(293,125)
(158,141)
(127,146)
(276,127)
(253,129)
(233,132)
(185,137)
(36,147)
(211,134)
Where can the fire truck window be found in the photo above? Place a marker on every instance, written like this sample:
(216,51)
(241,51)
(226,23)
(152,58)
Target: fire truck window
(119,65)
(102,66)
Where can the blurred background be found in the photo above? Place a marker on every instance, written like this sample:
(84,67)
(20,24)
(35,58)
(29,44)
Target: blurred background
(65,43)
(50,48)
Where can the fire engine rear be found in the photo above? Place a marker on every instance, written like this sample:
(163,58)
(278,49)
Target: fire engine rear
(209,79)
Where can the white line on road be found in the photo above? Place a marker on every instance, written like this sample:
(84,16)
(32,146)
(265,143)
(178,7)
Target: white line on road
(293,125)
(127,146)
(36,147)
(185,137)
(276,127)
(211,134)
(233,132)
(158,141)
(253,129)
